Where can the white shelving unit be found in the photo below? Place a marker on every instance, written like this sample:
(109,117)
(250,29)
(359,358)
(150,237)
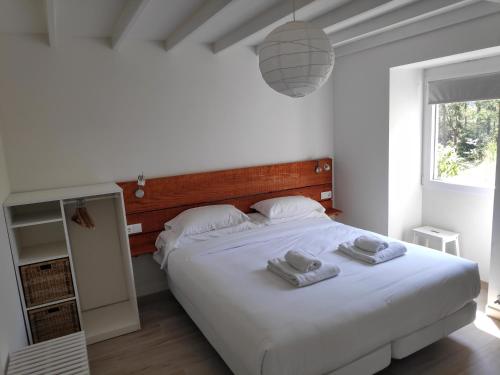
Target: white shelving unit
(110,321)
(41,230)
(42,252)
(37,218)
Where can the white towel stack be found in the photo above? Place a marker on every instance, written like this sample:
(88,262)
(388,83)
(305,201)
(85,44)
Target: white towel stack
(371,244)
(301,269)
(373,250)
(302,261)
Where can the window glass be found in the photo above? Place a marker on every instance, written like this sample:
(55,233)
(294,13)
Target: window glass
(465,147)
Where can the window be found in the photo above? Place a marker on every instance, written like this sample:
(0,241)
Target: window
(465,142)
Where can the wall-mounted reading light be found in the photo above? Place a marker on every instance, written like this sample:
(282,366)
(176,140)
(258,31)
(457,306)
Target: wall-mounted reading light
(326,167)
(141,182)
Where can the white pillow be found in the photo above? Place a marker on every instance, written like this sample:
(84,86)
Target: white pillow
(204,219)
(278,208)
(260,219)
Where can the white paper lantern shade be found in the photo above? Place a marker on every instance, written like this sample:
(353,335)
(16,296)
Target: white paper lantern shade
(296,58)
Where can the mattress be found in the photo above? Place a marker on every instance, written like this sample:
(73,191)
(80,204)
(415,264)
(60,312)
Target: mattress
(263,325)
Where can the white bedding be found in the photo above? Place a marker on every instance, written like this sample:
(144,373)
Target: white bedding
(270,327)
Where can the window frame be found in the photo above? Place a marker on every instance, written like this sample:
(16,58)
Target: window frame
(429,150)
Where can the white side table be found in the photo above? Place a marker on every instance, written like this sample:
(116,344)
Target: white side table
(443,236)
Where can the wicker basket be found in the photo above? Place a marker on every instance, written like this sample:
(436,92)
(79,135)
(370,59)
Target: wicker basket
(54,321)
(47,282)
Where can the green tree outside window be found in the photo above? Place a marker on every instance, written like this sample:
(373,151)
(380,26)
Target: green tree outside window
(466,140)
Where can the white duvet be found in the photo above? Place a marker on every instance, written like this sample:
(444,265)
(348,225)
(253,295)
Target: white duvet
(266,326)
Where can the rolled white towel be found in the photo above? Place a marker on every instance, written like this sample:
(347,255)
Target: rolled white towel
(394,250)
(302,261)
(370,243)
(281,268)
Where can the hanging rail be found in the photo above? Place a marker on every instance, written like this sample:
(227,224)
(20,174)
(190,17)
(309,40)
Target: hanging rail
(77,200)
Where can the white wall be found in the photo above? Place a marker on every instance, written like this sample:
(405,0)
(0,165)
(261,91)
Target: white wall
(464,210)
(493,308)
(469,214)
(148,277)
(405,145)
(361,114)
(83,113)
(12,332)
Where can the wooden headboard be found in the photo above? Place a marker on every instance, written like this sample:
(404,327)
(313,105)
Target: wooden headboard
(166,197)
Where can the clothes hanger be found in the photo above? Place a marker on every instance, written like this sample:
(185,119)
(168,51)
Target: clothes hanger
(77,217)
(86,218)
(81,215)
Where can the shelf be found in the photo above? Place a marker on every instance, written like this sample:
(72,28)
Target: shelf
(333,211)
(36,218)
(109,321)
(33,197)
(51,303)
(42,253)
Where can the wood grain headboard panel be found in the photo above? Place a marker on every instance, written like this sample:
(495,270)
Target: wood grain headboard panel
(166,197)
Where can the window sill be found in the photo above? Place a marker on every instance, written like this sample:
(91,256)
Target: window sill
(437,185)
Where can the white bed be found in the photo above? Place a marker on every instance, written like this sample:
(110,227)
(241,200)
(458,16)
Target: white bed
(351,324)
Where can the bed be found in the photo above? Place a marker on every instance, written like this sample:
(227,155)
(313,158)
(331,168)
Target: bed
(351,324)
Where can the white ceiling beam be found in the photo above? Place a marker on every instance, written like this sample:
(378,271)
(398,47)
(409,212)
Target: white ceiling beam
(411,13)
(353,12)
(464,14)
(207,10)
(51,14)
(261,21)
(129,16)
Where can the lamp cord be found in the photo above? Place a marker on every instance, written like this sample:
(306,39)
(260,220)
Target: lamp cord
(293,8)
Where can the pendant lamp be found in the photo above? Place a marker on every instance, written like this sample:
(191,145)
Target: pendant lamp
(296,58)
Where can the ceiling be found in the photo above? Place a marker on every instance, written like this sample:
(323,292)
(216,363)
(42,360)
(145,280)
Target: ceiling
(220,23)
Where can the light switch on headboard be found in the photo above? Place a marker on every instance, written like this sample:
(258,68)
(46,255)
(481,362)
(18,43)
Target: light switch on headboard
(134,228)
(326,195)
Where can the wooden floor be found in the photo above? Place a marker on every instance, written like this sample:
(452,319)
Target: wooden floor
(170,344)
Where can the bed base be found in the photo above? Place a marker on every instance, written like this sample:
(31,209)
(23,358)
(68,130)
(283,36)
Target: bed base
(368,364)
(423,337)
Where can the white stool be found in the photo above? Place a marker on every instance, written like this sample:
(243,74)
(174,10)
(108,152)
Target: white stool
(63,355)
(441,235)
